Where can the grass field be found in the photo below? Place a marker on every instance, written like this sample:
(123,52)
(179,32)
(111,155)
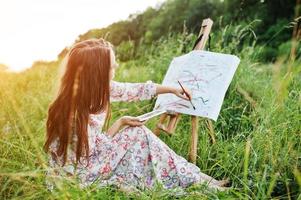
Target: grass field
(258,131)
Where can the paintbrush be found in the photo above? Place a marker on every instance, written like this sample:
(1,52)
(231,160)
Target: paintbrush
(186,94)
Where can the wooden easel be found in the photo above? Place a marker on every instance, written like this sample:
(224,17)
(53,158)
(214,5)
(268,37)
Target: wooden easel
(174,117)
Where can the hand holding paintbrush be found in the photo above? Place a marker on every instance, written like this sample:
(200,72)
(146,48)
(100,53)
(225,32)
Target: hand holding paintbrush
(186,93)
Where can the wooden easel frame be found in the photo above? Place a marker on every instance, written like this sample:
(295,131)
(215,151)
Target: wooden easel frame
(174,117)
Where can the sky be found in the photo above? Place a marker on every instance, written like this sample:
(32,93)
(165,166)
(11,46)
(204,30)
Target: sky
(32,30)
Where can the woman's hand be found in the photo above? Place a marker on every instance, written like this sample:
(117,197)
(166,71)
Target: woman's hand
(131,121)
(123,121)
(160,89)
(180,93)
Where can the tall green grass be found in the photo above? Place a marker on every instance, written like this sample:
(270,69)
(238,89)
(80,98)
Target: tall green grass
(258,131)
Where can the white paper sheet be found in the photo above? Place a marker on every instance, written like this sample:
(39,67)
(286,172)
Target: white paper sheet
(207,75)
(151,114)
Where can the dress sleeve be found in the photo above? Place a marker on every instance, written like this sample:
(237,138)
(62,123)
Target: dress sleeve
(121,91)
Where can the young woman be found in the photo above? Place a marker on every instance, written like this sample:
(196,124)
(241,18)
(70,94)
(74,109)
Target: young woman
(127,154)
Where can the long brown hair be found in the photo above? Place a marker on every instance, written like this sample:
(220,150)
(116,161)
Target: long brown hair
(84,90)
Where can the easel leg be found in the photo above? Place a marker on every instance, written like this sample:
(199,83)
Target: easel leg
(172,123)
(160,123)
(194,139)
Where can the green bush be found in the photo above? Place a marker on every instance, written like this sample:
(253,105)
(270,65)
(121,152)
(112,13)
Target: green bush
(125,51)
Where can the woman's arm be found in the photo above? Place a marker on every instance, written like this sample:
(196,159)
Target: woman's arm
(160,89)
(133,121)
(128,92)
(116,126)
(119,123)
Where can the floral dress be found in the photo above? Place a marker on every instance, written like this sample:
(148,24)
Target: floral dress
(134,157)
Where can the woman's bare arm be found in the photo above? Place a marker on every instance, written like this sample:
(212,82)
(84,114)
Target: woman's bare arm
(177,91)
(116,126)
(123,121)
(164,89)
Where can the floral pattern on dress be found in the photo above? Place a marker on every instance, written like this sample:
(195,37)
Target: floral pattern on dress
(134,157)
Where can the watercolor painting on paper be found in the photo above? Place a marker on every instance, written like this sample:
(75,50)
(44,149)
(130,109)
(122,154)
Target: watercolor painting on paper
(208,76)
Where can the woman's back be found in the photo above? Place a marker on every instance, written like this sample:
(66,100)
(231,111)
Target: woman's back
(100,144)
